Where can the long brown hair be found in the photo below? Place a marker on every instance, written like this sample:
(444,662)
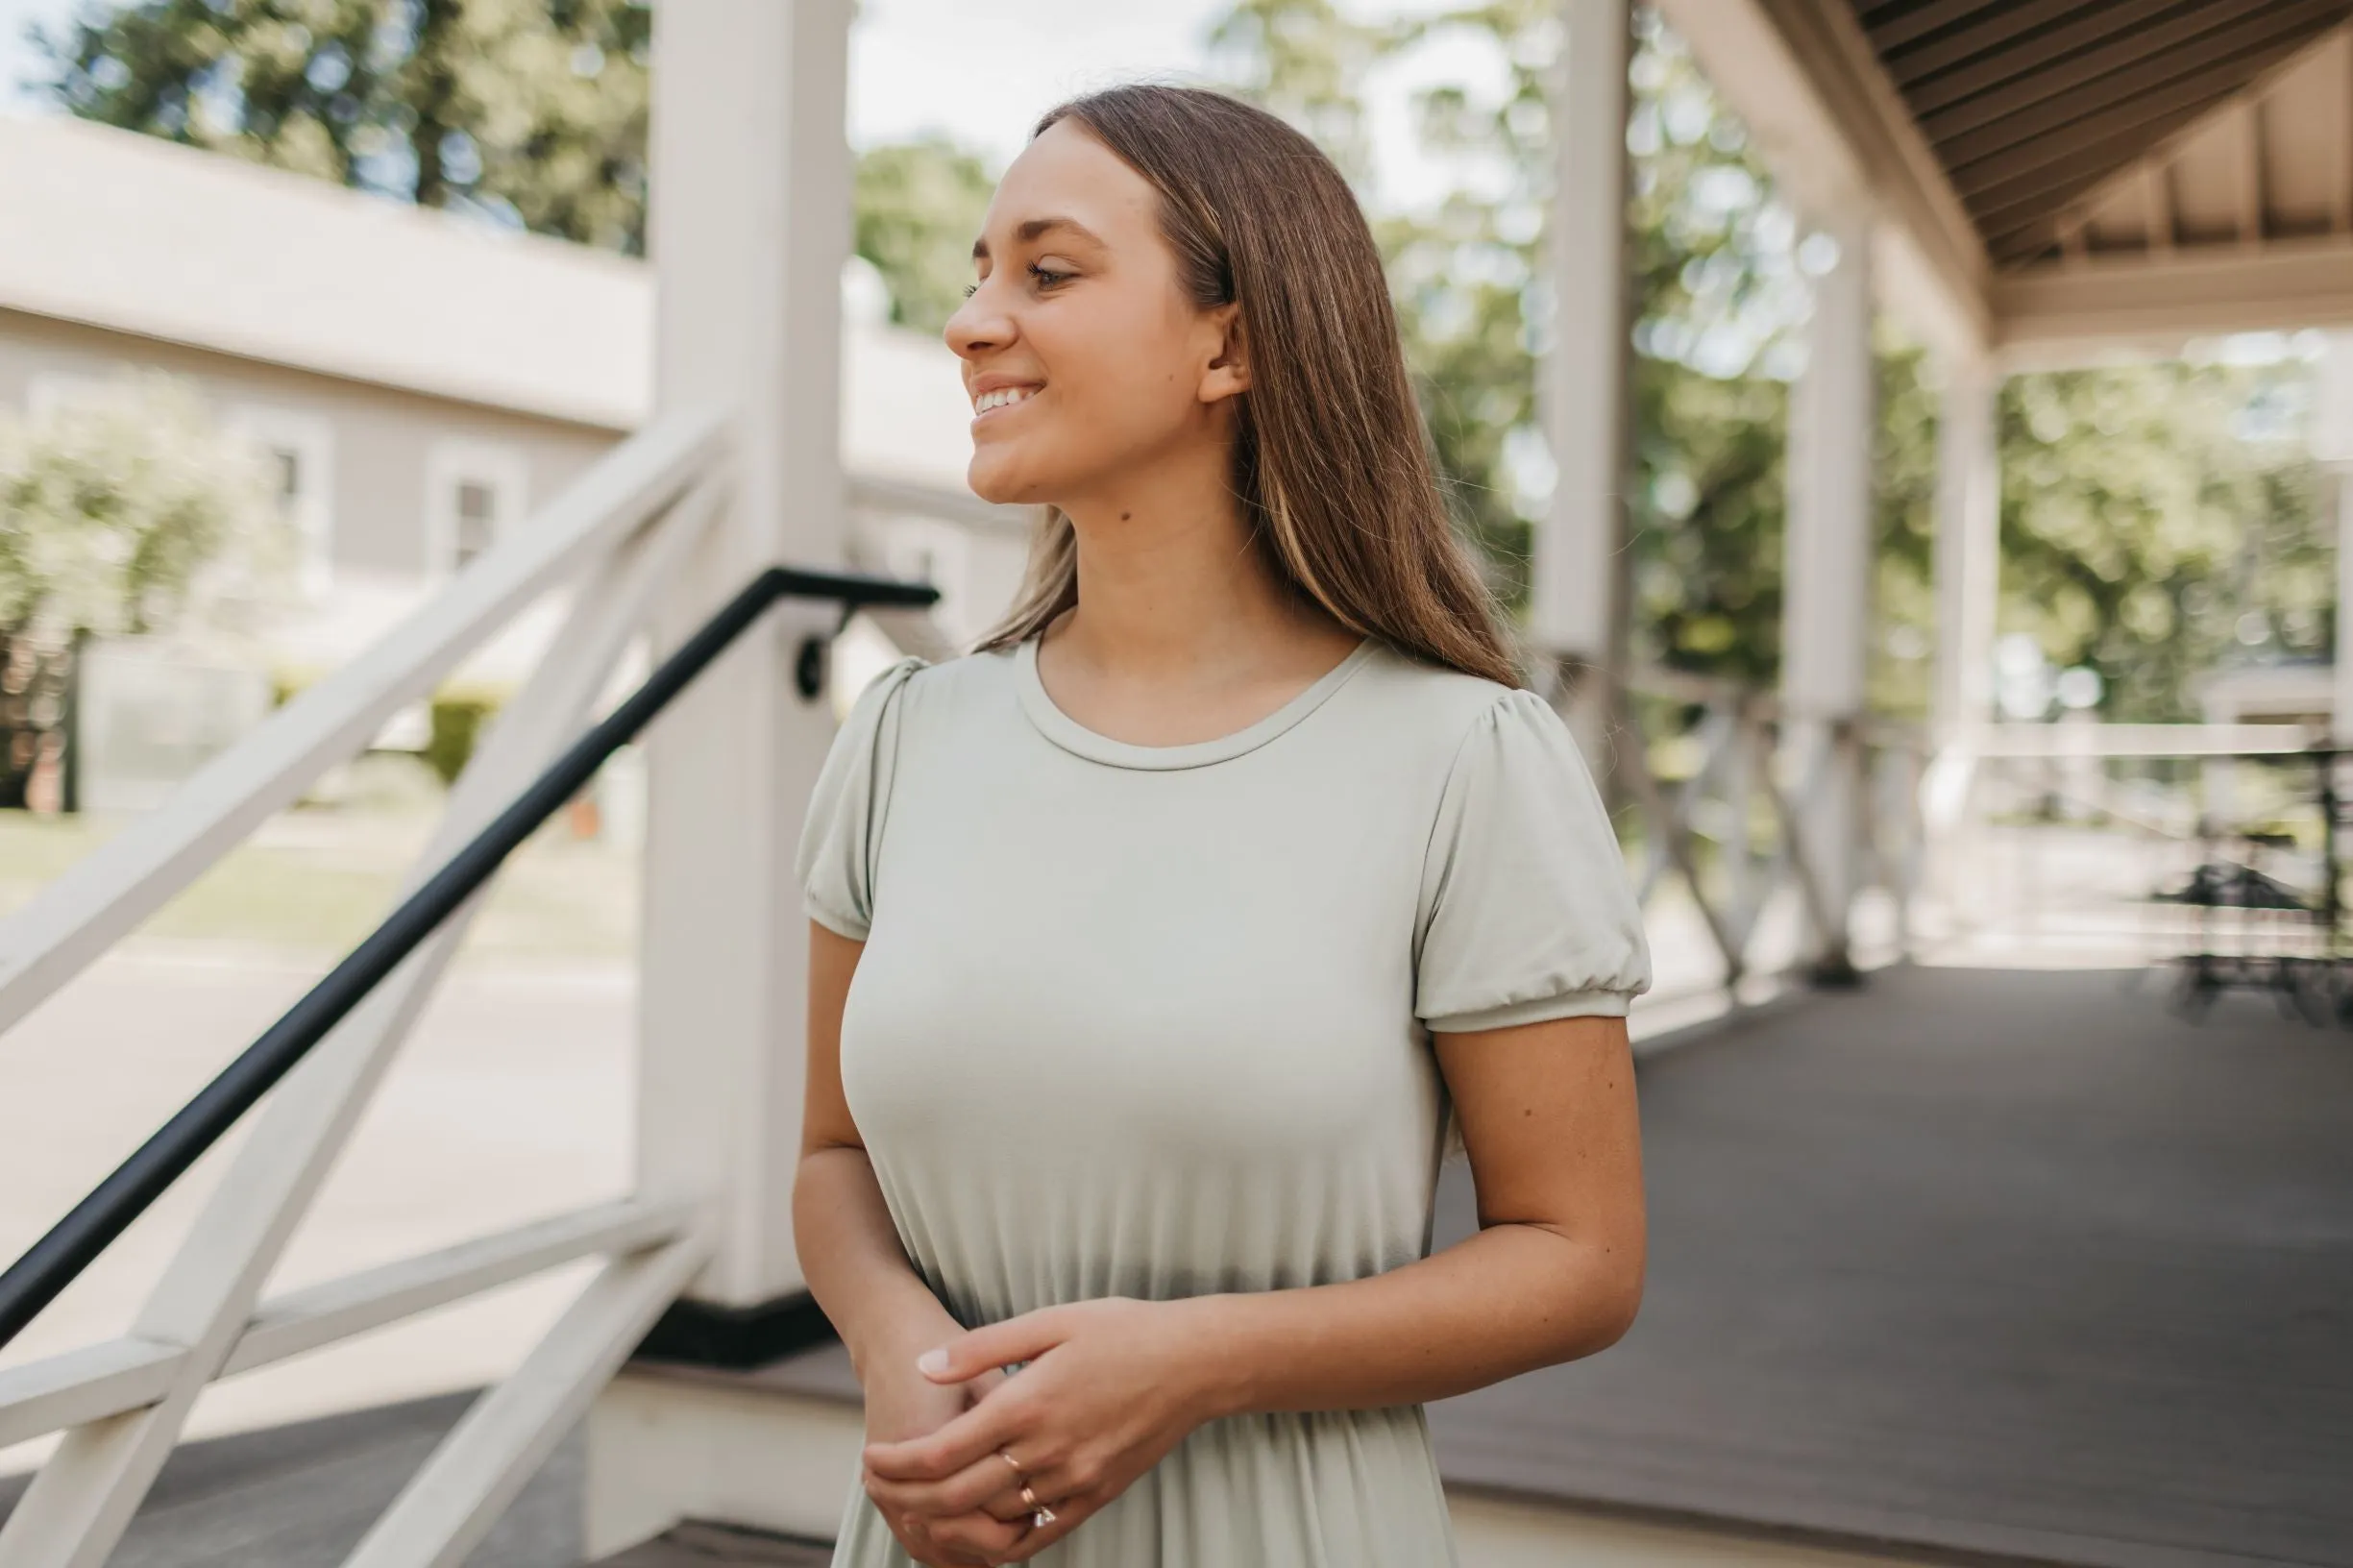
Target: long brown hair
(1336,480)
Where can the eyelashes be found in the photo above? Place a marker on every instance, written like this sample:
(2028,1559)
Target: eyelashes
(1047,278)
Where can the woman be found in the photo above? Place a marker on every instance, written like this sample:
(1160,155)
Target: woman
(1187,909)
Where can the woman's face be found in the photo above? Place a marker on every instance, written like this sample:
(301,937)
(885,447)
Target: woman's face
(1086,360)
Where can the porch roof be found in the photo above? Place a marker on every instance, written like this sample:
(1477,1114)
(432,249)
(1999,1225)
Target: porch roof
(2029,107)
(2058,177)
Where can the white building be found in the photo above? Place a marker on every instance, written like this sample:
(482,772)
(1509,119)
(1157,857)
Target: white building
(424,381)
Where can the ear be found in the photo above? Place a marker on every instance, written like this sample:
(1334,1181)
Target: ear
(1228,371)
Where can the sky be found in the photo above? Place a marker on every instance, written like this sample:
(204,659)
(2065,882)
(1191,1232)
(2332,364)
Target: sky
(984,74)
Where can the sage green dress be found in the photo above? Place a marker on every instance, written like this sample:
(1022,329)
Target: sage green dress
(1151,1021)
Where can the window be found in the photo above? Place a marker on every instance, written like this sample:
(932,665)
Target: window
(299,449)
(478,517)
(475,492)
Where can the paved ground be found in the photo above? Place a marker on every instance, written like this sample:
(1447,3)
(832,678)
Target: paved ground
(702,1546)
(511,1101)
(2011,1262)
(301,1496)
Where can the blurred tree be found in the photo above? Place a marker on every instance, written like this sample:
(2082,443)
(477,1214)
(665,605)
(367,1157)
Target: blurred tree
(1901,671)
(2150,526)
(920,206)
(2161,521)
(1714,283)
(130,512)
(533,113)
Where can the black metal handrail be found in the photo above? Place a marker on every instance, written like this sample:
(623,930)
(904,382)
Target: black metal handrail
(58,1257)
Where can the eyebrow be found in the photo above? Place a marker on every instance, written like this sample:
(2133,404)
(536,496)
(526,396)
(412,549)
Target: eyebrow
(1026,231)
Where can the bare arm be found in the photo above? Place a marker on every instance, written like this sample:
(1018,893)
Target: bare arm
(1555,1272)
(849,1250)
(862,1277)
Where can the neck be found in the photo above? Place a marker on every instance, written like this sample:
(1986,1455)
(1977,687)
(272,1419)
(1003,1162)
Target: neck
(1168,579)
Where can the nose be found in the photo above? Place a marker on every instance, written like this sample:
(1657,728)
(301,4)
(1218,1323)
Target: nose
(978,326)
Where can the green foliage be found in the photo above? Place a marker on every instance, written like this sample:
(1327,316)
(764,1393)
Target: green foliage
(1304,60)
(2160,521)
(1903,476)
(533,113)
(920,207)
(2144,532)
(457,721)
(1708,514)
(131,513)
(1713,281)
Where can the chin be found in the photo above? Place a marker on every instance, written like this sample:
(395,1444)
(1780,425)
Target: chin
(998,483)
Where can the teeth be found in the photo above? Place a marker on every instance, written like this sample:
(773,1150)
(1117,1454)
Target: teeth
(999,398)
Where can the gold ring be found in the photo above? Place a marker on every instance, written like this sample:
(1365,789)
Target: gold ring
(1038,1513)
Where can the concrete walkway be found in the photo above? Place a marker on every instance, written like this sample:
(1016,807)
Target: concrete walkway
(2006,1264)
(512,1100)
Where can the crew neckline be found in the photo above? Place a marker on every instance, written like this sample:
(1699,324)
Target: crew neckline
(1074,737)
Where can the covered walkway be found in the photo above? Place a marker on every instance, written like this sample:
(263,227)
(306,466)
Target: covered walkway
(2012,1262)
(1974,1265)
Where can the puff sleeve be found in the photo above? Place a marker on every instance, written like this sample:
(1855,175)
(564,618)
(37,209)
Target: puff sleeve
(844,828)
(1526,910)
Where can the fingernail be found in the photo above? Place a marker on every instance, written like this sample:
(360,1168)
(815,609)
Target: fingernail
(932,1362)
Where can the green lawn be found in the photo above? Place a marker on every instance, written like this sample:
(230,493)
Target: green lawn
(557,896)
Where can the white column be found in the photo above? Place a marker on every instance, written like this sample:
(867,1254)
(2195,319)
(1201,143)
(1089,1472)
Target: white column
(1581,377)
(1828,565)
(751,228)
(1968,545)
(2331,444)
(2337,482)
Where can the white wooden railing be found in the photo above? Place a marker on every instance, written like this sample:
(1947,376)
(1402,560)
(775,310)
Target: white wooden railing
(2060,833)
(619,535)
(1730,829)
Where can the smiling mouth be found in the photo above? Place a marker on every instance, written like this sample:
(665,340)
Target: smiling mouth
(1001,398)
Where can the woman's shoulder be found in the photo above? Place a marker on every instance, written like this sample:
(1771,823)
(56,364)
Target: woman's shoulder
(951,681)
(916,680)
(1437,703)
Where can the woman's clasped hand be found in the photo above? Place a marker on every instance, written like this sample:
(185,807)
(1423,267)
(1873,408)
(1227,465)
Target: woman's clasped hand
(1106,1388)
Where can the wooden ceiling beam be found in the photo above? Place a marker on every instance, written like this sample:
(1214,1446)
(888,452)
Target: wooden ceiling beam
(2341,195)
(1894,32)
(2247,117)
(2018,220)
(1998,26)
(2108,300)
(2013,29)
(2069,61)
(2157,205)
(2064,132)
